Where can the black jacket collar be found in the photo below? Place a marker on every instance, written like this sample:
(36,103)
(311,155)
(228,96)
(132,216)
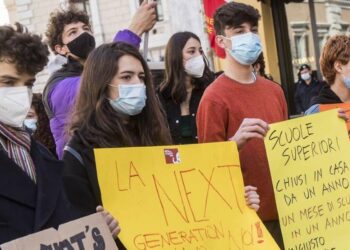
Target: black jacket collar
(17,185)
(87,153)
(326,96)
(49,184)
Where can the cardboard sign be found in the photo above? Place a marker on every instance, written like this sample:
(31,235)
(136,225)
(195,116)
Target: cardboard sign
(310,167)
(345,106)
(180,197)
(88,233)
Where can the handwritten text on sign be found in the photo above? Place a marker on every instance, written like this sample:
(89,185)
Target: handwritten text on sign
(179,197)
(310,167)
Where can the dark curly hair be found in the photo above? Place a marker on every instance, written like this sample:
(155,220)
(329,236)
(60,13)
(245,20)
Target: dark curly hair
(58,20)
(23,49)
(233,14)
(43,133)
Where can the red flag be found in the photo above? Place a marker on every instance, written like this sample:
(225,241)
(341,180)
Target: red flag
(209,8)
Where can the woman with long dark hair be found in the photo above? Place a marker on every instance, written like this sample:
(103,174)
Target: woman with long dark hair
(186,77)
(116,107)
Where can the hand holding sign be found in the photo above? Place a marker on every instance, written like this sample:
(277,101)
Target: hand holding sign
(111,222)
(342,113)
(251,197)
(250,128)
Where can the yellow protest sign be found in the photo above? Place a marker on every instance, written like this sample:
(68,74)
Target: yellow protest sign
(344,106)
(179,197)
(309,164)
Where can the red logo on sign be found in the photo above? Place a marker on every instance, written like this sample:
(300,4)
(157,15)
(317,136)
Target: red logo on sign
(172,156)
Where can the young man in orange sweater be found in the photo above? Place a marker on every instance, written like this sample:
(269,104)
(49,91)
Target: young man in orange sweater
(239,106)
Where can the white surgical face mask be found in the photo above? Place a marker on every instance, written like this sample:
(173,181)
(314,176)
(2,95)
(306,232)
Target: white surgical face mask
(31,124)
(131,100)
(245,48)
(195,66)
(15,103)
(305,76)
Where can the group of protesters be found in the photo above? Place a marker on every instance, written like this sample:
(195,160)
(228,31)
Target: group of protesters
(104,97)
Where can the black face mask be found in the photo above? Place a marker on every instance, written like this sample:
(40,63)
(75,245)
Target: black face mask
(82,45)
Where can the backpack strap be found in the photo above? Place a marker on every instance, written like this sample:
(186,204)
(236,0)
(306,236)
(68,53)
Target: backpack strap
(52,82)
(75,153)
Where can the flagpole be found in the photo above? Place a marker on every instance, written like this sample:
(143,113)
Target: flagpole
(145,43)
(145,46)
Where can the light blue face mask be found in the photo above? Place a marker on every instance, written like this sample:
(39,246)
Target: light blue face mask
(31,124)
(131,100)
(346,81)
(245,48)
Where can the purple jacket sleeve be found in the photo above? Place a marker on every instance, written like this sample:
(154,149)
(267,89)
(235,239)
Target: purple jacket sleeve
(61,99)
(128,36)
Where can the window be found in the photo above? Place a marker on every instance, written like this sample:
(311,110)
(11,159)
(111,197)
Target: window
(300,35)
(300,45)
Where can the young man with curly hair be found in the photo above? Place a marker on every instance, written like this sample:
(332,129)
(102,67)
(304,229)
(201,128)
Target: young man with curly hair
(32,197)
(239,105)
(69,34)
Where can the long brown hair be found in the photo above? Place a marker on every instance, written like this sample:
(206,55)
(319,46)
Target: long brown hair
(175,75)
(97,123)
(43,133)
